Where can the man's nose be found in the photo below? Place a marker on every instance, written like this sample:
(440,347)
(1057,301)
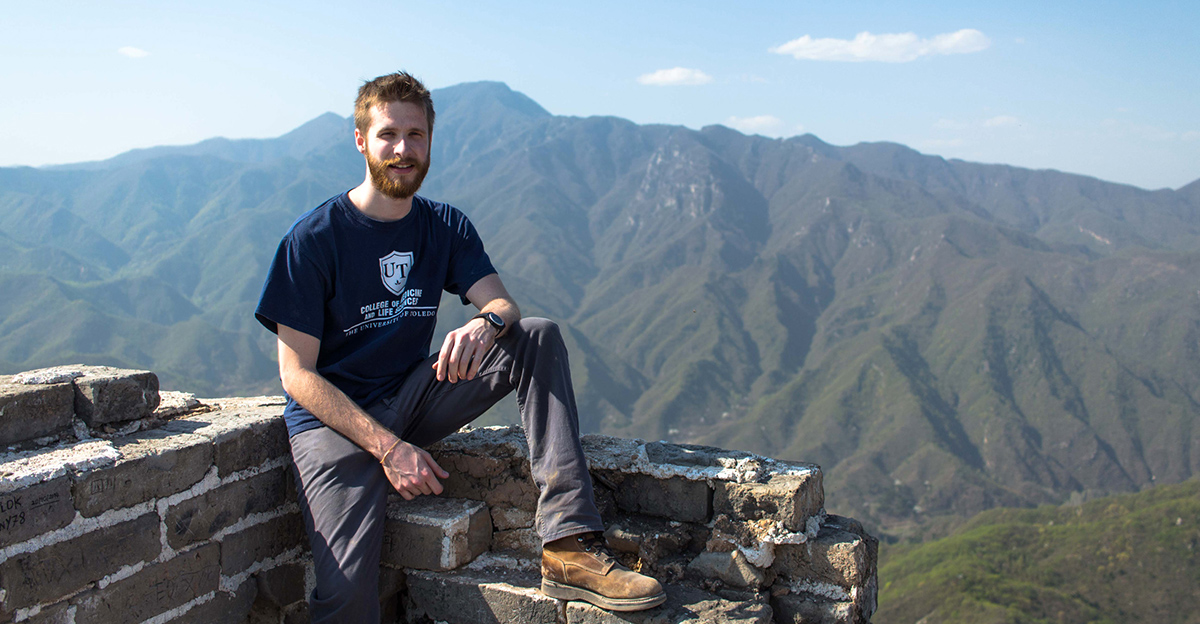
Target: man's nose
(403,148)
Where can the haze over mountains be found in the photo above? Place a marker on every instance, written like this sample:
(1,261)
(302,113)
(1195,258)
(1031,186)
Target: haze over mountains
(942,336)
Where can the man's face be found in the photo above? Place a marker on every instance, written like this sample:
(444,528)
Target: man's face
(396,146)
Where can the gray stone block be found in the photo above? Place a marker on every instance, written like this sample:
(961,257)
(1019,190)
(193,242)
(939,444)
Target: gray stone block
(804,608)
(790,499)
(111,395)
(505,518)
(201,517)
(675,498)
(61,613)
(56,570)
(33,411)
(525,542)
(281,585)
(730,567)
(435,533)
(479,597)
(262,541)
(224,607)
(153,464)
(684,605)
(837,555)
(154,589)
(242,437)
(488,464)
(34,510)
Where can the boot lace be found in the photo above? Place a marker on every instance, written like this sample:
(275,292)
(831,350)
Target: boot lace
(595,544)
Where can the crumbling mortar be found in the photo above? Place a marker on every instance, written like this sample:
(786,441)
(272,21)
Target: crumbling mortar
(230,583)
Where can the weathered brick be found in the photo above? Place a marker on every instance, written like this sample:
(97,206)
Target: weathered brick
(791,499)
(676,498)
(836,556)
(264,540)
(730,567)
(684,605)
(490,464)
(34,410)
(153,464)
(154,589)
(201,517)
(473,597)
(435,533)
(803,608)
(525,541)
(110,395)
(505,518)
(241,439)
(281,585)
(34,510)
(55,570)
(61,613)
(224,607)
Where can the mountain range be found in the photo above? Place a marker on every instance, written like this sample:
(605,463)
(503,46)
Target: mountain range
(943,337)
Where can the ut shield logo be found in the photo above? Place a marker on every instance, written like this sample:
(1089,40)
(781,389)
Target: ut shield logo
(393,270)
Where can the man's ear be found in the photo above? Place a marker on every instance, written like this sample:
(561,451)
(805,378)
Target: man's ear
(360,142)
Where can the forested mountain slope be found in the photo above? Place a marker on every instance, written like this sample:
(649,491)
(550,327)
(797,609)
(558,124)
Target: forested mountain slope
(942,336)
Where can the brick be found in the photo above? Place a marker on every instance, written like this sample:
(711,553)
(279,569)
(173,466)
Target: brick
(224,607)
(262,541)
(490,464)
(152,464)
(435,533)
(684,605)
(61,613)
(505,518)
(730,567)
(112,395)
(33,411)
(525,542)
(34,510)
(201,517)
(54,571)
(296,613)
(653,539)
(788,498)
(154,589)
(282,584)
(241,439)
(479,597)
(802,608)
(676,497)
(836,556)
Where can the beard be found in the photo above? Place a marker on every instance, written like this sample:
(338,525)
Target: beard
(396,189)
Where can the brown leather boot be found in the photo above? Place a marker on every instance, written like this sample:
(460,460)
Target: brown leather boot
(581,567)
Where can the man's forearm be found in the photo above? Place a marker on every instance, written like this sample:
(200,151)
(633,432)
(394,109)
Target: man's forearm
(333,408)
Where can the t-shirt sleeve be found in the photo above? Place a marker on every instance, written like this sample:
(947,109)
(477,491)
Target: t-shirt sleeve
(468,261)
(295,292)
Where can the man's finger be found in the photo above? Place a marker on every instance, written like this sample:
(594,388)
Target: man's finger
(436,468)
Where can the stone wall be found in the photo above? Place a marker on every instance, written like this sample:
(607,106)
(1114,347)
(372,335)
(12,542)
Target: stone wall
(116,508)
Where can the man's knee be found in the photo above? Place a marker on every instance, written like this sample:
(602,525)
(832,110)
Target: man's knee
(540,329)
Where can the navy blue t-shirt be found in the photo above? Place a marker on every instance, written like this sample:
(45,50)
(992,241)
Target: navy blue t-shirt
(369,290)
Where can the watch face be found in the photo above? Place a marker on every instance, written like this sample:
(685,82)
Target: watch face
(495,319)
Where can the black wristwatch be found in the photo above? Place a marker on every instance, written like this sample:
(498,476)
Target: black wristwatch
(493,319)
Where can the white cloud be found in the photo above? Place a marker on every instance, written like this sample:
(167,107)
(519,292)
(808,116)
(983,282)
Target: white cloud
(132,52)
(887,48)
(759,124)
(1190,135)
(674,77)
(1002,121)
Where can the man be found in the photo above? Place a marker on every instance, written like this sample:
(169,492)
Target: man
(352,296)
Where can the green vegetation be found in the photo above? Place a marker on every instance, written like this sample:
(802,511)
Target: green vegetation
(1120,559)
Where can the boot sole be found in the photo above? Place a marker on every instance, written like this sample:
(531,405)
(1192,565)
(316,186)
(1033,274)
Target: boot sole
(569,592)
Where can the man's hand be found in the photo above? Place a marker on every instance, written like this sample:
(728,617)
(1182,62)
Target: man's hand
(412,471)
(463,350)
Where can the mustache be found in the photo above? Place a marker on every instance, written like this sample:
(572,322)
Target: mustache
(400,162)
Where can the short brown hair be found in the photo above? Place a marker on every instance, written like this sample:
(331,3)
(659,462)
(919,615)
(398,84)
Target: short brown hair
(397,87)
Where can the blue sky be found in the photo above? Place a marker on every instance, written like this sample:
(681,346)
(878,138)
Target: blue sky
(1107,89)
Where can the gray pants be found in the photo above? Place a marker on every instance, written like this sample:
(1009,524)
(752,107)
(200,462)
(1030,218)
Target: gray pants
(343,491)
